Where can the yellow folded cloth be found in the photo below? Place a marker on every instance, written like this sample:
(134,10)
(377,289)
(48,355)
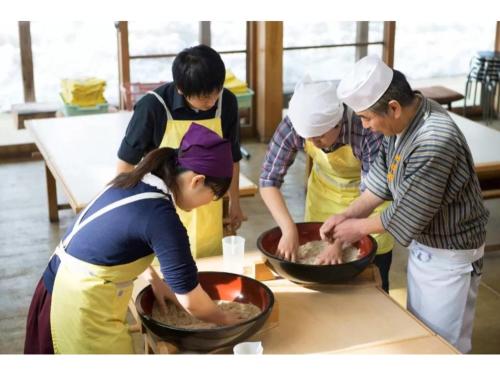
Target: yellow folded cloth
(233,84)
(83,92)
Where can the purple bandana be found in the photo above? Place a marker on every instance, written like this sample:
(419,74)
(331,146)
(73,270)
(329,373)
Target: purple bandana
(203,151)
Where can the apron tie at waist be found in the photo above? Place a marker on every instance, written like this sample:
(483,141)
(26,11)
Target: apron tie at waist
(71,262)
(426,254)
(76,265)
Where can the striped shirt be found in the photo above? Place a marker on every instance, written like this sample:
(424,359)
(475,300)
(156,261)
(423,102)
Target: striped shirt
(285,143)
(429,175)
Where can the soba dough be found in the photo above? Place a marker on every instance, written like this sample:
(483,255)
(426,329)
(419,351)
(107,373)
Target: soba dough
(178,317)
(308,252)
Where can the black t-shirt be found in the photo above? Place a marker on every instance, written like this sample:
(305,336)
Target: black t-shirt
(148,123)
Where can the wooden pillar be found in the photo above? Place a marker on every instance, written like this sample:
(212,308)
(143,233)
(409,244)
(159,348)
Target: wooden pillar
(205,35)
(123,57)
(251,63)
(362,28)
(389,38)
(266,72)
(497,38)
(497,49)
(26,61)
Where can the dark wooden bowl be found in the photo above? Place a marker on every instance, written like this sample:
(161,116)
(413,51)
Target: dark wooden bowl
(219,286)
(313,274)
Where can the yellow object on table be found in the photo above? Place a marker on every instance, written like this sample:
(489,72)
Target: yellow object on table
(233,84)
(83,92)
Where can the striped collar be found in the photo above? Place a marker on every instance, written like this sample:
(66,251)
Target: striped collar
(422,113)
(156,182)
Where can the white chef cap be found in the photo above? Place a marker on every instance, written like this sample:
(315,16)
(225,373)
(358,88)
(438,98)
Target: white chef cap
(365,84)
(314,107)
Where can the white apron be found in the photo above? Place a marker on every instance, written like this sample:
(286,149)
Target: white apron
(442,290)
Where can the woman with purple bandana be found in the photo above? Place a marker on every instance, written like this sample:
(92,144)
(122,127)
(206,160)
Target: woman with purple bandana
(80,303)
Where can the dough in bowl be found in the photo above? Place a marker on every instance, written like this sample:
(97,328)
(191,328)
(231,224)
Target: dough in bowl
(308,252)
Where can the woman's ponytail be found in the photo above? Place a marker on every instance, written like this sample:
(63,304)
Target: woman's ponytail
(161,162)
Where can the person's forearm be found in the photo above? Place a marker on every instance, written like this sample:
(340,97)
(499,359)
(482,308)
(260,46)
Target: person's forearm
(274,201)
(372,225)
(198,304)
(152,277)
(363,206)
(234,188)
(123,167)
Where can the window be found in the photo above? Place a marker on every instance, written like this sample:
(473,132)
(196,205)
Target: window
(325,50)
(231,37)
(73,50)
(162,41)
(439,53)
(11,82)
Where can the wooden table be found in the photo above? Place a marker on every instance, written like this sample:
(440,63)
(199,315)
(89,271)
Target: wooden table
(484,143)
(357,317)
(441,94)
(81,153)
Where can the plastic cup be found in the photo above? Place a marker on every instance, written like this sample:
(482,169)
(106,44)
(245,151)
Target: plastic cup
(249,348)
(233,253)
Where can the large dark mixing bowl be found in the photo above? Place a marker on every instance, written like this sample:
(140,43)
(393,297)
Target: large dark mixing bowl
(308,273)
(219,286)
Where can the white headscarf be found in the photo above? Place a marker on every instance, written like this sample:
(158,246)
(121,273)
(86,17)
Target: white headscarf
(314,107)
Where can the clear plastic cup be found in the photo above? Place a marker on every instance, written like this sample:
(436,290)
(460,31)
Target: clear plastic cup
(249,348)
(233,254)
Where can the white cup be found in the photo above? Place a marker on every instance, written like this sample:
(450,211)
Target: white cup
(249,348)
(233,254)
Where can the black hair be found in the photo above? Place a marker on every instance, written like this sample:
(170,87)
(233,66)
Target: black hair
(398,90)
(162,162)
(198,71)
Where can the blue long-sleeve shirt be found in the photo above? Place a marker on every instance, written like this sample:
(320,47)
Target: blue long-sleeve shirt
(133,231)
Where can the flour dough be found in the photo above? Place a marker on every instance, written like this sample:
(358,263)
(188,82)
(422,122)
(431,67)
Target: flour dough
(179,318)
(308,252)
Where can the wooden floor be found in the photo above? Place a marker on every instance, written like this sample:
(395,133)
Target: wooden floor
(27,239)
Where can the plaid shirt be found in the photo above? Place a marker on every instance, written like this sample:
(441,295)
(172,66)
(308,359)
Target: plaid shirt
(285,143)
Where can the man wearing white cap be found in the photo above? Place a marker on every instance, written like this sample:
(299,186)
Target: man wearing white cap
(425,168)
(342,152)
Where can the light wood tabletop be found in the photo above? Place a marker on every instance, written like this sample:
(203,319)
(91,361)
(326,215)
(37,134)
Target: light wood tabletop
(358,318)
(484,143)
(80,153)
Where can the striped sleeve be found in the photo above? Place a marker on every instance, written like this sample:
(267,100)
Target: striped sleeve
(422,188)
(280,155)
(376,180)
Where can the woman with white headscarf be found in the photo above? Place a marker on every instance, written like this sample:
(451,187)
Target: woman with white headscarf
(341,150)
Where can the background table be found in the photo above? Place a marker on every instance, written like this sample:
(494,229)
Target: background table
(81,154)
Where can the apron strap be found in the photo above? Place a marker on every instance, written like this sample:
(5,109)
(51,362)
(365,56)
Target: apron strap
(218,112)
(82,214)
(349,124)
(134,198)
(160,99)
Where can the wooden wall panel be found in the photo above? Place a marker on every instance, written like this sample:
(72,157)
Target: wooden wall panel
(26,61)
(389,40)
(268,77)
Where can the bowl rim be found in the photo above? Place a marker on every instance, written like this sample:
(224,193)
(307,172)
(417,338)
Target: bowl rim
(261,249)
(268,290)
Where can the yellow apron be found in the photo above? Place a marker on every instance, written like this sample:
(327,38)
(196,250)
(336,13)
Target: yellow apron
(203,224)
(334,183)
(89,302)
